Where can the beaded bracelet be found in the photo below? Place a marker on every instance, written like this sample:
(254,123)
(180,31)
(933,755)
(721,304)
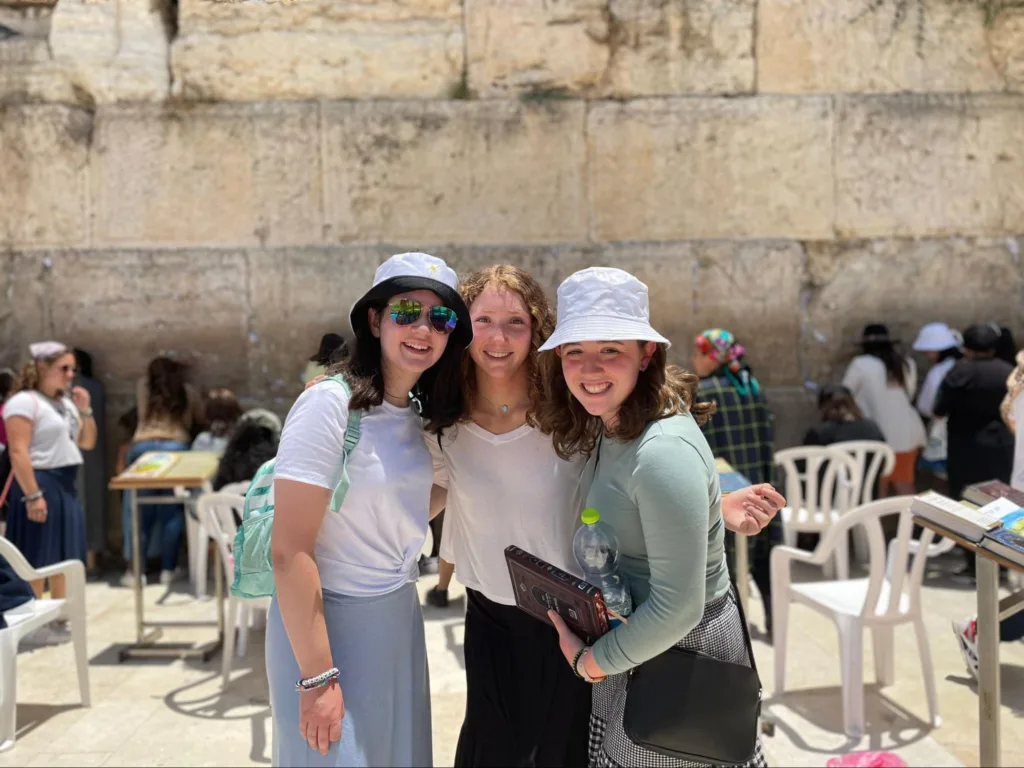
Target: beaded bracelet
(318,681)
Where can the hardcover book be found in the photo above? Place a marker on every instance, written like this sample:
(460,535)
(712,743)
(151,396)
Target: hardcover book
(982,493)
(539,587)
(972,524)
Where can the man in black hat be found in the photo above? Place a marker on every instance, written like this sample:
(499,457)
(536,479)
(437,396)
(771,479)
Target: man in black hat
(980,443)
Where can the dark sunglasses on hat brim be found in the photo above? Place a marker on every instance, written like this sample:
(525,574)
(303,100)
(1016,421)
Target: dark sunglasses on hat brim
(408,311)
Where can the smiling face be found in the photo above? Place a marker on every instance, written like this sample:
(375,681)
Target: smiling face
(603,374)
(413,348)
(502,332)
(57,377)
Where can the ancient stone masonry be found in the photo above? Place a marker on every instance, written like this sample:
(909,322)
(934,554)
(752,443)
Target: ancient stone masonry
(222,176)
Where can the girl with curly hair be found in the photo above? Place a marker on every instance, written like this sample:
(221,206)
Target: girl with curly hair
(611,397)
(504,482)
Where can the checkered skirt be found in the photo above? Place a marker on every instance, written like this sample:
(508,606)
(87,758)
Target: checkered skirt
(719,634)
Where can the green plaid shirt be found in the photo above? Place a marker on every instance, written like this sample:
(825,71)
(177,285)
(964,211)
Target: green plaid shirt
(741,430)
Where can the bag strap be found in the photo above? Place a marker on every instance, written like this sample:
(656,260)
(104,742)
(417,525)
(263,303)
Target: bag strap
(10,475)
(743,620)
(351,440)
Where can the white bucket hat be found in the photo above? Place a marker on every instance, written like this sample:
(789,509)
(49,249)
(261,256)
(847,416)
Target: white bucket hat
(602,304)
(936,337)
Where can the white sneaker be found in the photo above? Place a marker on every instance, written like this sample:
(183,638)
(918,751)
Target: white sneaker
(966,632)
(128,580)
(169,577)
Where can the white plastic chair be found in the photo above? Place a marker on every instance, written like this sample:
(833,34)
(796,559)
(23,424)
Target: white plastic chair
(28,617)
(890,596)
(874,458)
(215,513)
(199,539)
(817,500)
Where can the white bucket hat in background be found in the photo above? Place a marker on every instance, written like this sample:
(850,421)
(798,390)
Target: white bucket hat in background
(936,337)
(602,304)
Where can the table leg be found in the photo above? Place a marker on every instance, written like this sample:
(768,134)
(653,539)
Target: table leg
(137,560)
(218,580)
(988,661)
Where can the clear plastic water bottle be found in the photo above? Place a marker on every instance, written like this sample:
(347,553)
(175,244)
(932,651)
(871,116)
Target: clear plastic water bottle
(596,548)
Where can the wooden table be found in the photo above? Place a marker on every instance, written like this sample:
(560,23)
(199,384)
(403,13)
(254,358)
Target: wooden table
(991,610)
(167,470)
(742,565)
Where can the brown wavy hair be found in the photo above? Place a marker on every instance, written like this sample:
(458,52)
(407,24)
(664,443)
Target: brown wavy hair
(167,393)
(542,317)
(662,390)
(28,377)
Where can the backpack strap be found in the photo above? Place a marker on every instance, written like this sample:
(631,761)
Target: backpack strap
(351,440)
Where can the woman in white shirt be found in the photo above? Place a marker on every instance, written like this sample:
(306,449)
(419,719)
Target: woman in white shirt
(942,346)
(48,422)
(883,382)
(346,618)
(506,485)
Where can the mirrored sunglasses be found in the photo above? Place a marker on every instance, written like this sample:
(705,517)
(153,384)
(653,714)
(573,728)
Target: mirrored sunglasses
(408,311)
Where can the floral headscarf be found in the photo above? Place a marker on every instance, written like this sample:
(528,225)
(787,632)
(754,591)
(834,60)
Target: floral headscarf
(721,346)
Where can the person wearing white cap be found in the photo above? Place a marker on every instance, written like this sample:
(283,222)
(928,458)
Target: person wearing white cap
(49,422)
(612,397)
(943,347)
(346,658)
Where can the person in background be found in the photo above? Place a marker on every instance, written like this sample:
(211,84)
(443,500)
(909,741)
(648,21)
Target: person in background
(1011,629)
(841,420)
(253,443)
(741,431)
(942,346)
(168,408)
(332,349)
(882,382)
(49,423)
(1006,347)
(6,388)
(222,414)
(981,446)
(93,477)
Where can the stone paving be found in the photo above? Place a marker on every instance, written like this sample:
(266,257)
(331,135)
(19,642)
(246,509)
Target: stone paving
(175,712)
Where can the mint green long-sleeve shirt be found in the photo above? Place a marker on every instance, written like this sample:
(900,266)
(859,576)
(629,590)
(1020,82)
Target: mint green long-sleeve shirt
(660,493)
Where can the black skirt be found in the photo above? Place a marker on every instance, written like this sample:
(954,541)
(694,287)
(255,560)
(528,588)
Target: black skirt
(524,706)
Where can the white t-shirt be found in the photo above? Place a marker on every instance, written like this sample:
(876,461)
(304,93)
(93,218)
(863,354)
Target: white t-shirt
(930,388)
(886,404)
(370,547)
(56,426)
(1017,409)
(503,489)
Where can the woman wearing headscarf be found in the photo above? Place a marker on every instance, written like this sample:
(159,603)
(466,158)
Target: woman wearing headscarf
(741,431)
(883,382)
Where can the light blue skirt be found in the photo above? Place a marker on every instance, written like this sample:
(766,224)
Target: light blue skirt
(378,645)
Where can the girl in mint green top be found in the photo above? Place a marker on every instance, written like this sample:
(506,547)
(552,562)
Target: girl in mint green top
(611,396)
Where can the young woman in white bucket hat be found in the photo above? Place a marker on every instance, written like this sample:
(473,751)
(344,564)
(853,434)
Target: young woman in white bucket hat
(346,657)
(610,396)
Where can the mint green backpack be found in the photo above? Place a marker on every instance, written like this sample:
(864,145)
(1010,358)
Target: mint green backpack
(254,571)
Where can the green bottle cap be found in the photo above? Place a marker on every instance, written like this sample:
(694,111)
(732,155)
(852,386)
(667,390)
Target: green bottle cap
(590,516)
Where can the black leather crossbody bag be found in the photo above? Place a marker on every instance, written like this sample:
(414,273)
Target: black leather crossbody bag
(688,705)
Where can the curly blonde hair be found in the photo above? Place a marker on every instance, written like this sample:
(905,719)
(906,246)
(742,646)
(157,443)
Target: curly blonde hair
(29,377)
(523,284)
(661,390)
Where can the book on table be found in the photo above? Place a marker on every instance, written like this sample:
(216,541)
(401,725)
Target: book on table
(972,524)
(990,490)
(540,586)
(1008,539)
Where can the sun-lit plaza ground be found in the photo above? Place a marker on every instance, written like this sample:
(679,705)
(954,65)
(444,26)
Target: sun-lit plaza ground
(175,712)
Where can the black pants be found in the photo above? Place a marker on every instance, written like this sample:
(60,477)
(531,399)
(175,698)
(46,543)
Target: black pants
(524,706)
(759,558)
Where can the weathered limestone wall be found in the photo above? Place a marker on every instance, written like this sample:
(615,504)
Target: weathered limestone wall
(224,179)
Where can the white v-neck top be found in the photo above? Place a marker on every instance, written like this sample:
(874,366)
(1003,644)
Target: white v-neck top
(502,490)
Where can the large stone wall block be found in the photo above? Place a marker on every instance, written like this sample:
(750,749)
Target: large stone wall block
(127,307)
(252,50)
(887,46)
(208,175)
(930,165)
(702,168)
(43,175)
(619,48)
(905,284)
(456,171)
